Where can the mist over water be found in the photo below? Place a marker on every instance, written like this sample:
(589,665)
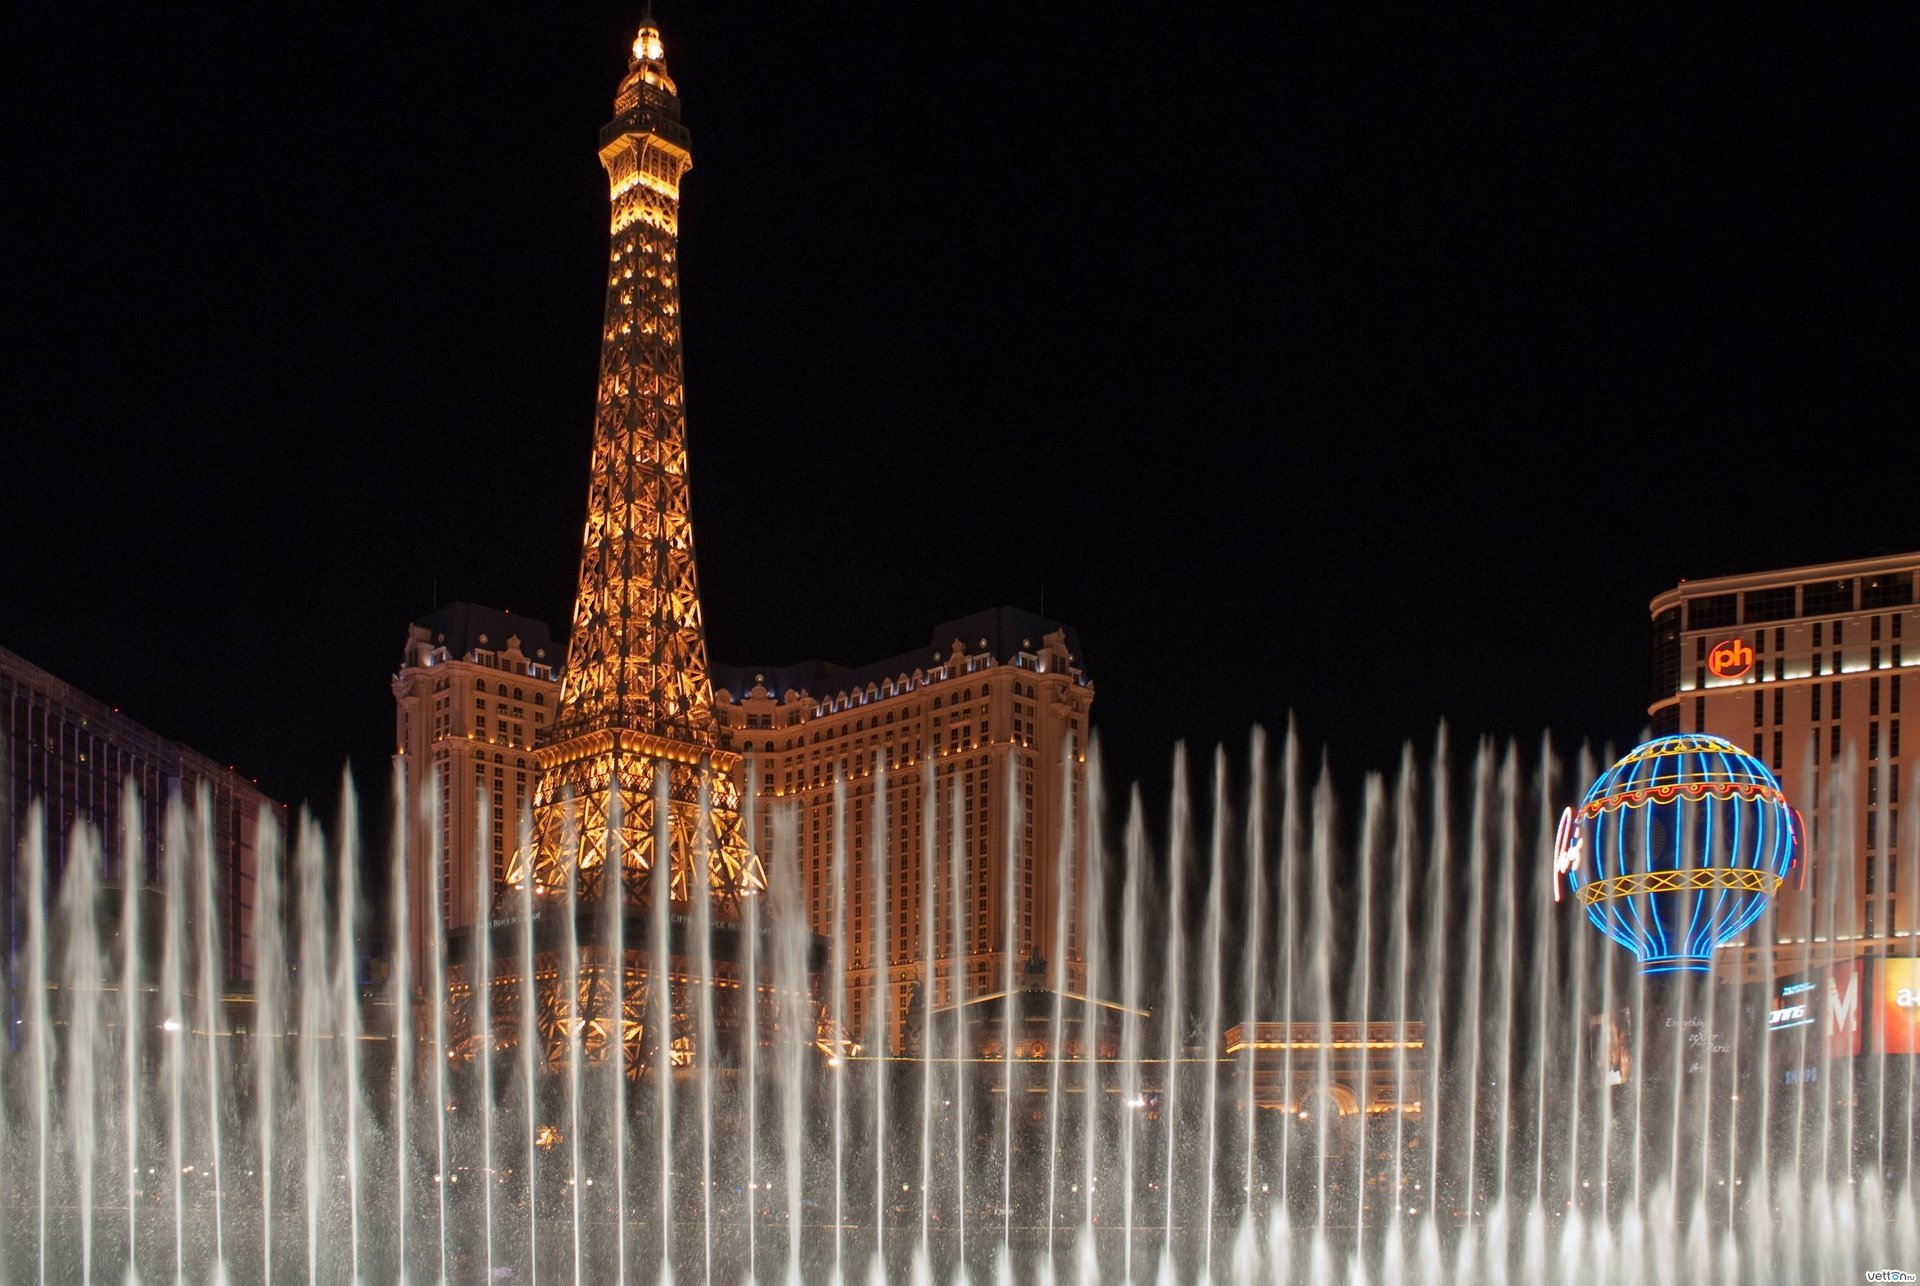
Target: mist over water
(1317,1039)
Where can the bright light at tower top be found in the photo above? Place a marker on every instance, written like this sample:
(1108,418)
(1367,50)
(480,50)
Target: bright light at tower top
(647,47)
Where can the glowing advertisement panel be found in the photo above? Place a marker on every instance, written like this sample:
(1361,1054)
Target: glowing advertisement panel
(1899,993)
(1829,1003)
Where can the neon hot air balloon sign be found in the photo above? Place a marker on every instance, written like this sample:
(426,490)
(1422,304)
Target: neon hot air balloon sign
(1676,849)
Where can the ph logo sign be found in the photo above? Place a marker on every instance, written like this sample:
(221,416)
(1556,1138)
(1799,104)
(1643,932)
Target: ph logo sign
(1730,659)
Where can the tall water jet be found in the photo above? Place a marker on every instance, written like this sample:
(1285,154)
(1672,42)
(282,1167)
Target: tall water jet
(574,1020)
(1132,955)
(1094,1058)
(1212,938)
(620,1001)
(437,1033)
(400,994)
(1008,913)
(132,880)
(346,1004)
(529,1085)
(1174,1036)
(704,1035)
(1064,910)
(480,993)
(880,1026)
(40,1047)
(841,895)
(923,1038)
(268,1064)
(751,968)
(959,947)
(1254,931)
(173,987)
(311,962)
(660,992)
(81,973)
(790,955)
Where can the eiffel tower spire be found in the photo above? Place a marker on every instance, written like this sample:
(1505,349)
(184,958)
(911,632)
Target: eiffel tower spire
(636,701)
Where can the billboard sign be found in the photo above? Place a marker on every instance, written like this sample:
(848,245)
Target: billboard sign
(1899,997)
(1824,1005)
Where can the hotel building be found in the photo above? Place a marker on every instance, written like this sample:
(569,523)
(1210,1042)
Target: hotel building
(991,718)
(475,688)
(74,756)
(1805,667)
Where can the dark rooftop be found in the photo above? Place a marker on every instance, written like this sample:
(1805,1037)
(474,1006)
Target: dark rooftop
(463,627)
(1002,631)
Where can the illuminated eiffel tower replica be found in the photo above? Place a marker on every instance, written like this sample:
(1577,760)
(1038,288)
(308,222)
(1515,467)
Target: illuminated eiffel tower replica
(633,781)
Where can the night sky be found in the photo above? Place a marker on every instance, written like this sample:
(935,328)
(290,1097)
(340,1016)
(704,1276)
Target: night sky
(1375,371)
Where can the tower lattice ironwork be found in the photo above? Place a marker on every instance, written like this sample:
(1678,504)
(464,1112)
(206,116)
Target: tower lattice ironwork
(636,701)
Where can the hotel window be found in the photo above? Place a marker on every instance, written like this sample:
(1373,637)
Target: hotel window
(1780,639)
(1816,702)
(1770,604)
(1836,700)
(1817,626)
(1776,752)
(1873,696)
(1759,708)
(1893,695)
(1714,611)
(1892,590)
(1873,630)
(1873,741)
(1833,749)
(1839,633)
(1893,739)
(1779,705)
(1824,598)
(1873,659)
(1699,714)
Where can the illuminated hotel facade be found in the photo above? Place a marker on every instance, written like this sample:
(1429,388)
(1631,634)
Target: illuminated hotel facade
(992,719)
(475,688)
(74,756)
(1809,667)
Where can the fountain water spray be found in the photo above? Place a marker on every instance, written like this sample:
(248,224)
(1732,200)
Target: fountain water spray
(1529,1120)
